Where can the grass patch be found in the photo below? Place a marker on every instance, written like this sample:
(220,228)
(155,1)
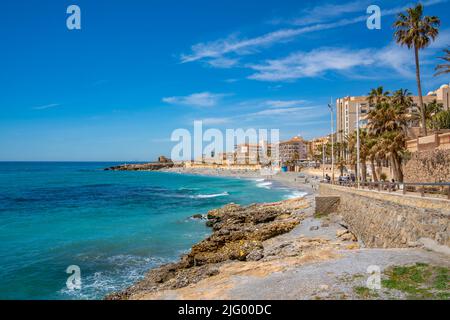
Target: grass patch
(320,215)
(419,282)
(365,293)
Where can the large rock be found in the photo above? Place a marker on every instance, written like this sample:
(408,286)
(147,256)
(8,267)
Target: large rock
(238,234)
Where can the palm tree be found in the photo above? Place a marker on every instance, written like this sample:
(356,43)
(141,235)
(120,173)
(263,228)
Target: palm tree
(394,143)
(417,31)
(373,155)
(341,166)
(441,120)
(378,95)
(402,98)
(364,151)
(430,109)
(387,124)
(387,117)
(445,67)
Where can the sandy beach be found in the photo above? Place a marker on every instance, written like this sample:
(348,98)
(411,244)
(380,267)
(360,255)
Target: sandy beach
(291,180)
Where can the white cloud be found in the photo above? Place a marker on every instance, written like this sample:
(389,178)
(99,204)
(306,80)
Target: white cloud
(232,44)
(327,11)
(442,41)
(281,111)
(47,106)
(284,103)
(203,99)
(243,46)
(215,121)
(395,57)
(362,63)
(311,64)
(223,63)
(232,80)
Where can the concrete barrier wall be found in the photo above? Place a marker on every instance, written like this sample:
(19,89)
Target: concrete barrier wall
(383,220)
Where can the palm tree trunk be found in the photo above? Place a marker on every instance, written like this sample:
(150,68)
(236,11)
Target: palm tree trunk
(364,171)
(399,169)
(394,167)
(379,168)
(419,89)
(397,166)
(374,170)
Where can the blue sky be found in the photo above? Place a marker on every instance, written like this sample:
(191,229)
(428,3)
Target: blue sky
(138,70)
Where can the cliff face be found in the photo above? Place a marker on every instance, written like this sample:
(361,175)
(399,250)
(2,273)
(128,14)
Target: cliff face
(238,234)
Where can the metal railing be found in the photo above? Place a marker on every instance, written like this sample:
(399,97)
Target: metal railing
(424,189)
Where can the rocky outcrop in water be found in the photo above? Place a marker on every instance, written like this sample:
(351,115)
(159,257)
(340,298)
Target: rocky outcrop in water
(142,167)
(238,234)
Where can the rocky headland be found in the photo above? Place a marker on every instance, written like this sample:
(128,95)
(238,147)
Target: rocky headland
(141,167)
(238,235)
(161,164)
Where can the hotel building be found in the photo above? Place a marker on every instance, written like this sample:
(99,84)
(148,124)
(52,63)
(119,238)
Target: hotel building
(294,149)
(316,146)
(346,110)
(249,153)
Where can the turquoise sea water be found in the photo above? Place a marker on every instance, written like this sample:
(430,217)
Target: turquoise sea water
(113,225)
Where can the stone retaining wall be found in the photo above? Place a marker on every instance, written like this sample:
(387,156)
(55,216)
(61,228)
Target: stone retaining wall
(428,166)
(326,204)
(384,220)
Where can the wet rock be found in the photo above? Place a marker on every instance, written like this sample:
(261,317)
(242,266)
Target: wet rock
(346,235)
(341,232)
(154,166)
(255,255)
(238,234)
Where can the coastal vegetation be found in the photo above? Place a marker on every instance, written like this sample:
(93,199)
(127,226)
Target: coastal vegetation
(384,139)
(440,120)
(417,31)
(420,281)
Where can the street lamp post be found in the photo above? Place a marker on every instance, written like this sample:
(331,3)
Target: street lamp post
(358,161)
(332,140)
(323,160)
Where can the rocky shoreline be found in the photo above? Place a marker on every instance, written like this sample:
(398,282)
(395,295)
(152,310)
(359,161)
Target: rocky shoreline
(281,250)
(238,235)
(142,167)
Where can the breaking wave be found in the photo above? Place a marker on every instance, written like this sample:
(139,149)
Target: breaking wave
(208,196)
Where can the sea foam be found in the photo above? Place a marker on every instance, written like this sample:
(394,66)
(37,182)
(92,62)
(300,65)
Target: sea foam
(265,185)
(208,196)
(296,194)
